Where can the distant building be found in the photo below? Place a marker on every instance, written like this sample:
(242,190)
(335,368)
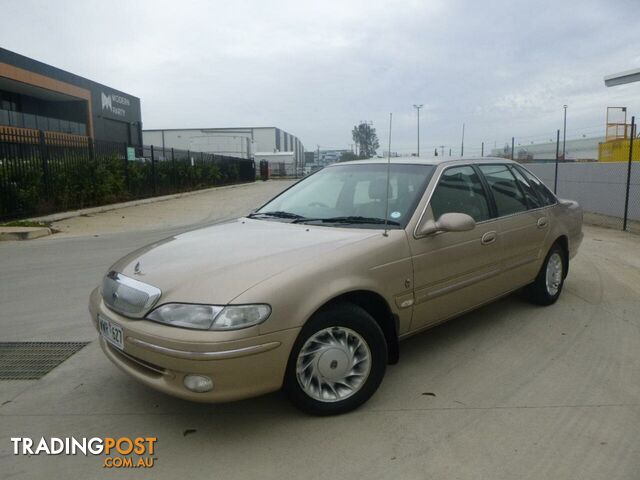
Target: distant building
(578,149)
(241,142)
(37,96)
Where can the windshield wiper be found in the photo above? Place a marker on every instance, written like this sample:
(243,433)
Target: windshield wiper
(277,214)
(348,219)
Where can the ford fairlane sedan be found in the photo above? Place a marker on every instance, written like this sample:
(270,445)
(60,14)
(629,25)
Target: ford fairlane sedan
(312,292)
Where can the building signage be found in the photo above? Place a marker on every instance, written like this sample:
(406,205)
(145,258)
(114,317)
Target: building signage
(115,104)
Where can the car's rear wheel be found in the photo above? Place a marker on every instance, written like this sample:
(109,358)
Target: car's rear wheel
(547,287)
(337,362)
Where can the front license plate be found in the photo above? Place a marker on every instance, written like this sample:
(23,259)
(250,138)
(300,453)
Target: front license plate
(111,332)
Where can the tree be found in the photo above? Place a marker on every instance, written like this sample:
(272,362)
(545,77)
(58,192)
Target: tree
(365,137)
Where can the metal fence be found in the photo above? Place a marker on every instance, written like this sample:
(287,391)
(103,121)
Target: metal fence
(46,172)
(608,192)
(284,170)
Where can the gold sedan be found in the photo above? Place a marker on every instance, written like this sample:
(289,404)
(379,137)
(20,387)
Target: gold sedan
(313,291)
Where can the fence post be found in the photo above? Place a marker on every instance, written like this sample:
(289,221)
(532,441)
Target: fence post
(44,156)
(555,179)
(153,171)
(626,197)
(173,171)
(126,165)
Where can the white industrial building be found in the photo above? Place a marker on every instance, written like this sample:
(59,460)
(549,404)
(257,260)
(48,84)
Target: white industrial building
(576,149)
(242,142)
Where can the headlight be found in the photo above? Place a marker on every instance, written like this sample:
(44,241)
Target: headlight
(210,317)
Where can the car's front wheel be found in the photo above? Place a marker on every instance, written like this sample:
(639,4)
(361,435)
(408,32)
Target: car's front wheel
(337,362)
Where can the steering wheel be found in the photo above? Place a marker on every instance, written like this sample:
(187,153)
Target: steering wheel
(318,204)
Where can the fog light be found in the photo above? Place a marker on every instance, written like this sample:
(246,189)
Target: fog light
(198,383)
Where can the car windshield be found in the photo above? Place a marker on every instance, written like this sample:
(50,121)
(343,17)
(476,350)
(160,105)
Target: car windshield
(352,194)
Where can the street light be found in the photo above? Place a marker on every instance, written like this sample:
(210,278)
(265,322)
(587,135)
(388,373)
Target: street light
(564,133)
(621,78)
(418,107)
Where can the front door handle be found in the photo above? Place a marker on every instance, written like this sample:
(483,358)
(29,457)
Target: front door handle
(542,222)
(489,238)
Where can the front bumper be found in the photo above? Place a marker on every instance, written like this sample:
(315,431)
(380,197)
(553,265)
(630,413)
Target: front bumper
(240,368)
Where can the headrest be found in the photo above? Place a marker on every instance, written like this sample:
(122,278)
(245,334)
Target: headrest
(378,189)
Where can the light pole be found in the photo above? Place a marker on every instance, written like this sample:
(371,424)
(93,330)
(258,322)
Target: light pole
(564,133)
(418,107)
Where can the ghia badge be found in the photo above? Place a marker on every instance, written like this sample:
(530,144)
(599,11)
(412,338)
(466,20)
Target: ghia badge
(137,269)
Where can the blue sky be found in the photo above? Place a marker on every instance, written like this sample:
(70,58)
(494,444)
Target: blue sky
(316,68)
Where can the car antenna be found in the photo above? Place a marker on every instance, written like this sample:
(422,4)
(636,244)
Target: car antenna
(386,213)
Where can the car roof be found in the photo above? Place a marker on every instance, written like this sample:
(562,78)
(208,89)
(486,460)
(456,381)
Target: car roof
(427,161)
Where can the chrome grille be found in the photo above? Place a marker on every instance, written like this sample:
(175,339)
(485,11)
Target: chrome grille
(128,296)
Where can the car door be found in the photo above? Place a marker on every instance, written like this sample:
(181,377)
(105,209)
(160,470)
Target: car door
(522,224)
(453,271)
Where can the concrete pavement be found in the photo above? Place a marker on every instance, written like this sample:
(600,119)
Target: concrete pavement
(509,391)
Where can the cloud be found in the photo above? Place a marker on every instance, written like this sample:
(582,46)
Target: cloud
(503,67)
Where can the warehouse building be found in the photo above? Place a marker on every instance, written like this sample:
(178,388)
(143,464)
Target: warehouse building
(37,96)
(579,149)
(243,142)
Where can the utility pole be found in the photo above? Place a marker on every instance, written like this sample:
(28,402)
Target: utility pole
(564,133)
(555,180)
(513,145)
(462,147)
(482,150)
(442,149)
(318,150)
(418,107)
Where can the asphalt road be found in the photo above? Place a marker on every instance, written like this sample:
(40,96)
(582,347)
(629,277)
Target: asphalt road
(509,391)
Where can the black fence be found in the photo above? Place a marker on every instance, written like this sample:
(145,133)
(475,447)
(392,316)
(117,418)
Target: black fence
(45,172)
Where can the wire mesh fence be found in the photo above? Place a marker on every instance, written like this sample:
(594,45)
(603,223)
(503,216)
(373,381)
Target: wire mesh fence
(46,172)
(284,170)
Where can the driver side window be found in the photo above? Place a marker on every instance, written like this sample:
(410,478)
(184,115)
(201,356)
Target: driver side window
(460,191)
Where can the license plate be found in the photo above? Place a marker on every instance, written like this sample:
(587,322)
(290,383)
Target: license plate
(111,332)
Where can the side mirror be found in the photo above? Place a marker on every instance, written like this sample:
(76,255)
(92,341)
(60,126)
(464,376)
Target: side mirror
(448,222)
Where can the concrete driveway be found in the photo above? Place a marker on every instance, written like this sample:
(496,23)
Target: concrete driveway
(509,391)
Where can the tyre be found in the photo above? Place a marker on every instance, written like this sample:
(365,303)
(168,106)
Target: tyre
(337,362)
(547,286)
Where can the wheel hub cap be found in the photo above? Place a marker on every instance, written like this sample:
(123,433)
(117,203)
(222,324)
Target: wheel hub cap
(333,364)
(554,273)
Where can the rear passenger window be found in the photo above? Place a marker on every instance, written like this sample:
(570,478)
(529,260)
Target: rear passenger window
(460,191)
(509,199)
(544,193)
(530,194)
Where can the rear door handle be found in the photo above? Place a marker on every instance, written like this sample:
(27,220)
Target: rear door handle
(489,238)
(542,222)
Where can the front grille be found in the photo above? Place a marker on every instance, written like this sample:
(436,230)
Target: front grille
(33,360)
(128,296)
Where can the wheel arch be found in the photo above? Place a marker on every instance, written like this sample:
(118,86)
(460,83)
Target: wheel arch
(376,306)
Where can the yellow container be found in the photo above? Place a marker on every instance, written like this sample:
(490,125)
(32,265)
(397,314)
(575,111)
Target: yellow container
(618,150)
